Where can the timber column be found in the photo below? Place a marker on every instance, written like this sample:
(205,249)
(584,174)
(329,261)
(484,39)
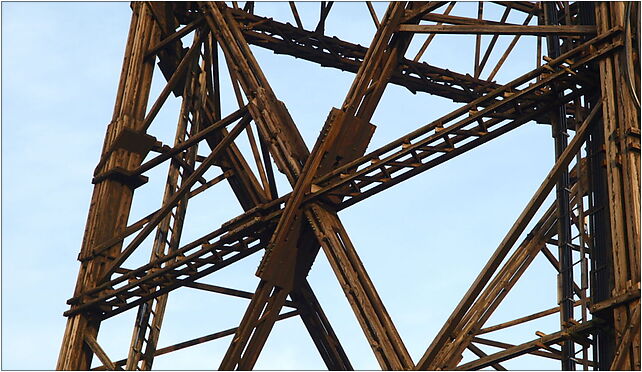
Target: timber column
(619,79)
(125,146)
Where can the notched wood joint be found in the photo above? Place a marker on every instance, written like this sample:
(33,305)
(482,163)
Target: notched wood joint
(123,176)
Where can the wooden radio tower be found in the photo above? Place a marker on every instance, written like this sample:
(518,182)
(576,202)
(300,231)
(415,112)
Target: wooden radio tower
(586,87)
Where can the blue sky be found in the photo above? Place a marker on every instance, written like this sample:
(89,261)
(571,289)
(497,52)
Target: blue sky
(423,241)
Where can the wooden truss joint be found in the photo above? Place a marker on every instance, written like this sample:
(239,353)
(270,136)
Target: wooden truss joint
(100,353)
(131,141)
(626,296)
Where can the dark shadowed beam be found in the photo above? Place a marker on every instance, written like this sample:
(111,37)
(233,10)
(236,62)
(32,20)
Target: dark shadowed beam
(527,347)
(415,76)
(480,353)
(318,326)
(540,353)
(500,30)
(522,6)
(621,128)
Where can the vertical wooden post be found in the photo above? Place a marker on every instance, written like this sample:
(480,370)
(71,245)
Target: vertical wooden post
(621,122)
(111,198)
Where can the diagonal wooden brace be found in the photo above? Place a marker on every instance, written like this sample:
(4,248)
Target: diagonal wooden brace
(276,127)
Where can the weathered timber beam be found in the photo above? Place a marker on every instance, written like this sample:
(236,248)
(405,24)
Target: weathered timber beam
(480,353)
(500,30)
(367,305)
(509,49)
(175,36)
(429,39)
(523,319)
(229,291)
(457,20)
(416,76)
(373,14)
(295,13)
(503,345)
(111,200)
(100,353)
(319,327)
(413,14)
(149,319)
(192,342)
(621,146)
(215,336)
(490,46)
(631,331)
(527,347)
(522,6)
(628,296)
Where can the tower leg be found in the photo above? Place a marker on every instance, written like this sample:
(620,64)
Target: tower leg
(622,151)
(111,198)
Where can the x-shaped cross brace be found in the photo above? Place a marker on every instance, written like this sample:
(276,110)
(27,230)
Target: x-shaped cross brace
(292,248)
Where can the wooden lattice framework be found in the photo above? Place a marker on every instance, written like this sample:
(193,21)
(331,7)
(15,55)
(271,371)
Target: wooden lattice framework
(586,87)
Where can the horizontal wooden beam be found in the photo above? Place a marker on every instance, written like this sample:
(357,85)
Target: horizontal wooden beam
(522,6)
(552,354)
(332,52)
(504,345)
(228,291)
(527,347)
(499,30)
(422,10)
(175,36)
(192,342)
(630,295)
(523,319)
(457,20)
